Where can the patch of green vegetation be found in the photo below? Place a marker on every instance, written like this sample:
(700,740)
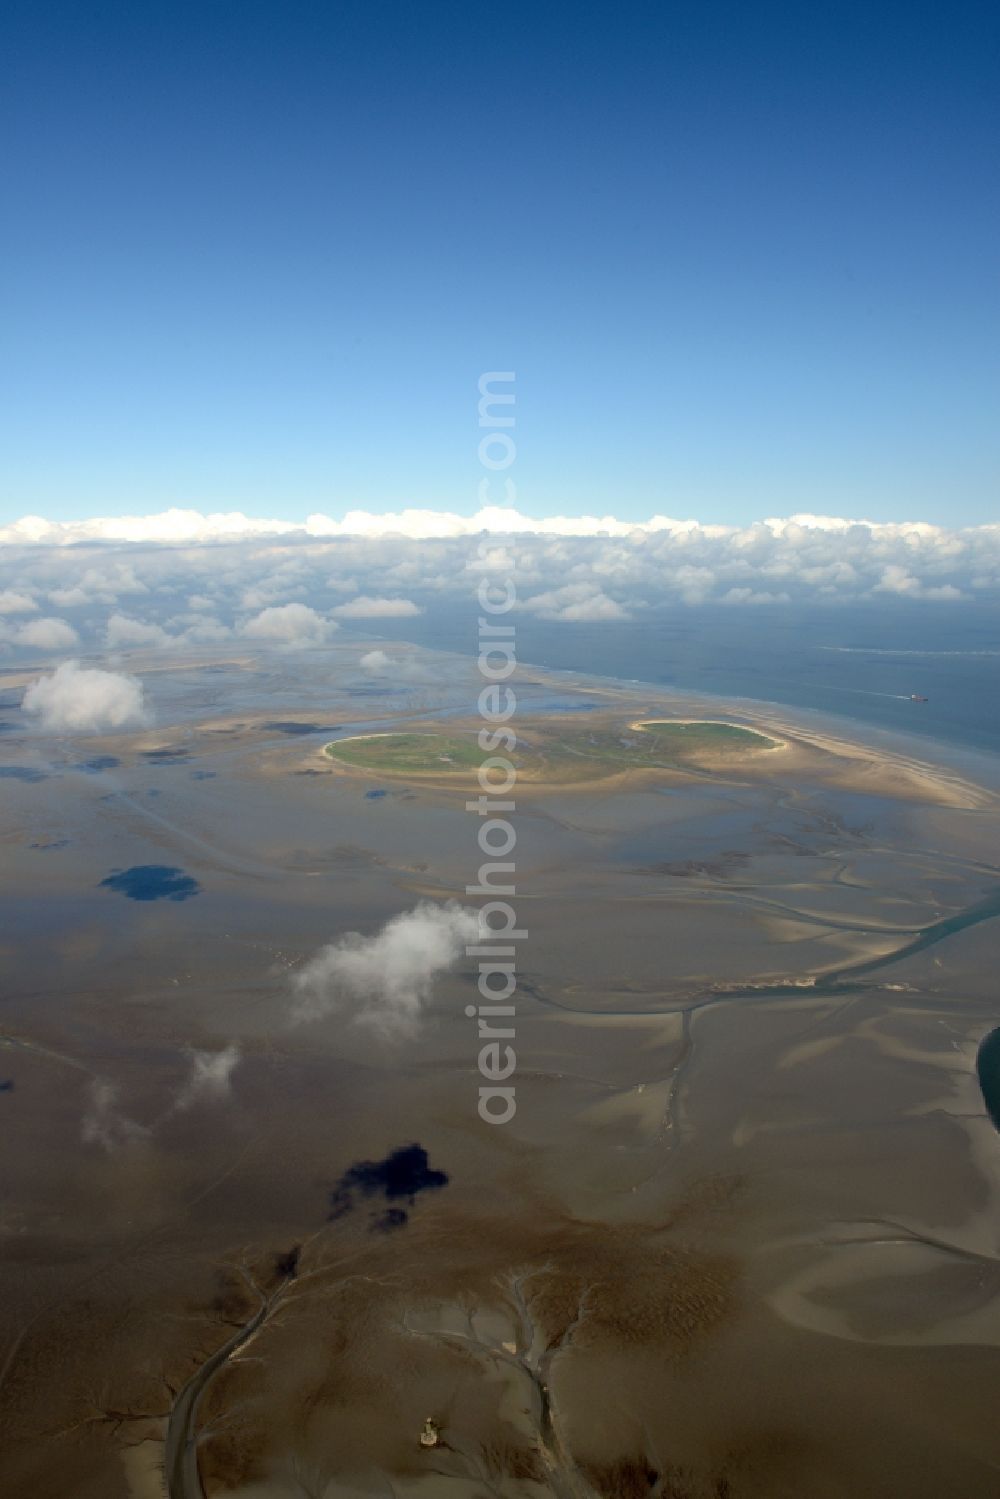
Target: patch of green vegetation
(408,754)
(548,755)
(665,744)
(701,737)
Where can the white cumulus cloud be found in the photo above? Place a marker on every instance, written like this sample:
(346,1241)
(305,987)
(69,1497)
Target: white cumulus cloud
(14,602)
(206,630)
(898,579)
(367,607)
(104,1123)
(48,634)
(750,596)
(275,582)
(210,1079)
(384,981)
(166,526)
(376,661)
(69,598)
(85,699)
(289,625)
(576,601)
(122,631)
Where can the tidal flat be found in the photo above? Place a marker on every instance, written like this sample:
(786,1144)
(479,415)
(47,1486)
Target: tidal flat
(740,1240)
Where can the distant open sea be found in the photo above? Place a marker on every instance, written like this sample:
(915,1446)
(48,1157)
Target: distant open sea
(859,663)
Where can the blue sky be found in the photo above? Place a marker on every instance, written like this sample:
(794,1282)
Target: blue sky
(743,257)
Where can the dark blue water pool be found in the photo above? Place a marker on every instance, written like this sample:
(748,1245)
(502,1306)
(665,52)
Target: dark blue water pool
(152,882)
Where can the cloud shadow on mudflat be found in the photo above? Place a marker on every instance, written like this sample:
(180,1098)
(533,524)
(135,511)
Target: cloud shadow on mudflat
(400,1177)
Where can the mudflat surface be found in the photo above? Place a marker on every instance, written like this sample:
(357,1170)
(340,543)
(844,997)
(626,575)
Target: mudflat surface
(740,1240)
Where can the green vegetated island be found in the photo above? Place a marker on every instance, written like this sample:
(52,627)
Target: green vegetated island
(550,753)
